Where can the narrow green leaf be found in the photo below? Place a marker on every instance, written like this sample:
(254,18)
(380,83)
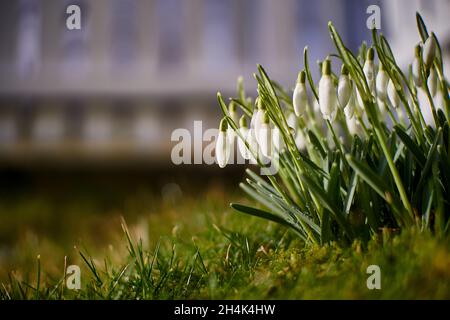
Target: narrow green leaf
(411,145)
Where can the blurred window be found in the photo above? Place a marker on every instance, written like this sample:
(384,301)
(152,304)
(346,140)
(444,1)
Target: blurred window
(75,42)
(171,33)
(124,32)
(29,38)
(219,34)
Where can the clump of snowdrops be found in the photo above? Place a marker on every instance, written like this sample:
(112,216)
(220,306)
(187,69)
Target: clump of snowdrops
(356,153)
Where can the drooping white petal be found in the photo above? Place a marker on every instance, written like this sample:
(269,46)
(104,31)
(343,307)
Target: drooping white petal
(292,120)
(359,100)
(354,127)
(278,142)
(369,72)
(429,51)
(222,149)
(258,122)
(327,97)
(344,90)
(416,71)
(382,106)
(432,81)
(253,144)
(300,99)
(245,152)
(300,140)
(265,140)
(392,94)
(349,109)
(381,84)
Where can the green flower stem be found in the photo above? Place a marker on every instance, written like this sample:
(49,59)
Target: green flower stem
(395,174)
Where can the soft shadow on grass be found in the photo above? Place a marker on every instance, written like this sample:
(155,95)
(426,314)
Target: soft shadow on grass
(199,248)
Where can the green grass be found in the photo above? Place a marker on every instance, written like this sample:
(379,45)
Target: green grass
(204,250)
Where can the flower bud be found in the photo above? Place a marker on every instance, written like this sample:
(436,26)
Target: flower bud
(265,136)
(392,94)
(344,87)
(354,127)
(277,140)
(327,92)
(300,140)
(416,67)
(222,144)
(259,117)
(432,82)
(245,152)
(292,120)
(349,109)
(300,97)
(429,51)
(382,83)
(369,70)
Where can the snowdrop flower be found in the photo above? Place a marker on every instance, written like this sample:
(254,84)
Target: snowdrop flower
(382,106)
(382,83)
(277,139)
(344,87)
(429,51)
(265,136)
(292,120)
(327,93)
(392,94)
(354,127)
(300,140)
(253,144)
(369,70)
(300,97)
(222,145)
(243,130)
(349,109)
(432,82)
(259,118)
(416,67)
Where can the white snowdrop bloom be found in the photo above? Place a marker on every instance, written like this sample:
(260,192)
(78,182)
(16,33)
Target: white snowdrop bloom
(429,51)
(349,109)
(416,67)
(316,111)
(439,100)
(432,82)
(253,144)
(359,99)
(354,127)
(344,87)
(277,140)
(244,131)
(327,92)
(392,94)
(300,96)
(222,145)
(259,118)
(300,140)
(292,120)
(382,83)
(369,70)
(382,106)
(265,136)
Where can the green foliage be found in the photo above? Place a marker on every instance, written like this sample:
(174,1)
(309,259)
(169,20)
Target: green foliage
(393,174)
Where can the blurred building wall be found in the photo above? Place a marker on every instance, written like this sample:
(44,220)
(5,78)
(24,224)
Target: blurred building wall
(138,69)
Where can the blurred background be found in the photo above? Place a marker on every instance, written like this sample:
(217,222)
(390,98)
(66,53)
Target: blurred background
(86,115)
